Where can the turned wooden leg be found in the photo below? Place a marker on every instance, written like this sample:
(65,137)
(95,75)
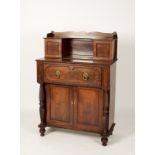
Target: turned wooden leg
(42,110)
(42,130)
(104,140)
(105,134)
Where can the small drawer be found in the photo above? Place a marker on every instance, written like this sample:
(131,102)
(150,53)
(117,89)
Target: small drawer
(68,74)
(53,48)
(103,50)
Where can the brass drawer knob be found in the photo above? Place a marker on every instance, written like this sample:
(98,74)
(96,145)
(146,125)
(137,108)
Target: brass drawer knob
(57,74)
(85,76)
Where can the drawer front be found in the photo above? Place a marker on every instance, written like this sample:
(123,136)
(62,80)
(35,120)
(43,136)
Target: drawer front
(70,74)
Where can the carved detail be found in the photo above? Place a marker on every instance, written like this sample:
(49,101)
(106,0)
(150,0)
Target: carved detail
(51,34)
(42,109)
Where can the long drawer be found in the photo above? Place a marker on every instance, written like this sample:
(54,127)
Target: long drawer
(72,74)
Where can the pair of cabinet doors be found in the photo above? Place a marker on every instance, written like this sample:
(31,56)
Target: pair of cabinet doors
(77,108)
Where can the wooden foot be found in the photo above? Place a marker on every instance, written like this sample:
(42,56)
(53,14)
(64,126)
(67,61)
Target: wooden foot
(106,134)
(104,140)
(42,130)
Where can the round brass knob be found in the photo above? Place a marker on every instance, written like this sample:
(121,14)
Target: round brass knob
(57,74)
(85,76)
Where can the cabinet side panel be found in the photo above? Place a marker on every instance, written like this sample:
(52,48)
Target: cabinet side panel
(112,94)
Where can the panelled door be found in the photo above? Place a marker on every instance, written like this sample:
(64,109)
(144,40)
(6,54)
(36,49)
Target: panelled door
(59,105)
(87,108)
(74,107)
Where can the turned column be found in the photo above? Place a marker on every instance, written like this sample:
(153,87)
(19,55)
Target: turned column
(42,109)
(105,132)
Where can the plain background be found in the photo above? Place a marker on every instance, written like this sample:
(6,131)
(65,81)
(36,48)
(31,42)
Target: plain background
(39,17)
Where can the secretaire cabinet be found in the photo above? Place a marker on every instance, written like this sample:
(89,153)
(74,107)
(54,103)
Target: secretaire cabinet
(77,82)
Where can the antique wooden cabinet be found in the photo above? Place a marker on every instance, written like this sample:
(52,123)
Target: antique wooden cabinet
(77,82)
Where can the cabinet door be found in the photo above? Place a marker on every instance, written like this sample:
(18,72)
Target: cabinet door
(59,106)
(88,109)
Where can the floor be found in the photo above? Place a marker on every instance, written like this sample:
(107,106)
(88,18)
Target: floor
(66,142)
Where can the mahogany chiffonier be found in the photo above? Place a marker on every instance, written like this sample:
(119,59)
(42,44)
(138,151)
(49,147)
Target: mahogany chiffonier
(77,82)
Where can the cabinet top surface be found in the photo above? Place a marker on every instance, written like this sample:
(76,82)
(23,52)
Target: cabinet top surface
(77,61)
(84,35)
